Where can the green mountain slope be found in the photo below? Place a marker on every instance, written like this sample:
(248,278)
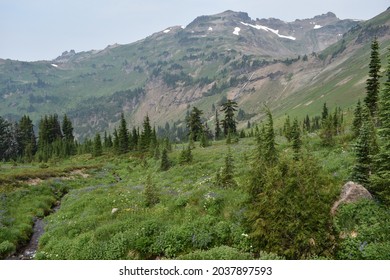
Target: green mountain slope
(227,55)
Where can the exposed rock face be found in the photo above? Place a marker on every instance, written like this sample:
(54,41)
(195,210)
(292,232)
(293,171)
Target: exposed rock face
(351,192)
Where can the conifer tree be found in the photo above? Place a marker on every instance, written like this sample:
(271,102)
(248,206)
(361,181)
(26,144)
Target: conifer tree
(116,142)
(28,143)
(270,153)
(287,129)
(186,155)
(134,139)
(373,83)
(146,135)
(123,136)
(165,162)
(97,146)
(325,113)
(229,123)
(296,139)
(67,130)
(365,148)
(357,120)
(381,179)
(218,132)
(150,193)
(194,124)
(227,173)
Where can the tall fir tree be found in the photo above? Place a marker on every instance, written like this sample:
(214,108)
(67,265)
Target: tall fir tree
(229,122)
(194,124)
(373,83)
(218,131)
(325,113)
(380,181)
(146,135)
(365,148)
(357,120)
(287,129)
(227,173)
(97,146)
(27,138)
(165,162)
(270,152)
(67,129)
(116,142)
(296,139)
(123,135)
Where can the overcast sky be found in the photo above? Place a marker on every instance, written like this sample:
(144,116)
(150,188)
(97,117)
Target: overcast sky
(42,29)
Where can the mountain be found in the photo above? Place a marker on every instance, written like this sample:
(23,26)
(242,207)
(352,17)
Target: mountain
(294,67)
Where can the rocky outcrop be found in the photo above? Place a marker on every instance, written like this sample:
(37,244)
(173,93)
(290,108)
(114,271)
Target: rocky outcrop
(351,192)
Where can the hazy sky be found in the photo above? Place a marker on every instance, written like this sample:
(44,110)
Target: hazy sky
(42,29)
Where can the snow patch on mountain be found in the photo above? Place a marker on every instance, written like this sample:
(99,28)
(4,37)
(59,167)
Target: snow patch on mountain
(166,30)
(265,28)
(237,31)
(317,26)
(54,65)
(210,28)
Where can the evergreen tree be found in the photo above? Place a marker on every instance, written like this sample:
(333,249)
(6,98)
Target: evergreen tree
(381,179)
(186,155)
(296,139)
(325,113)
(306,124)
(97,146)
(134,139)
(373,83)
(146,135)
(28,142)
(150,193)
(357,120)
(165,162)
(227,173)
(229,123)
(287,129)
(116,142)
(194,124)
(9,140)
(270,153)
(67,129)
(218,132)
(123,136)
(365,148)
(327,131)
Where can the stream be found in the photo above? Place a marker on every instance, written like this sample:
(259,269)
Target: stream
(28,252)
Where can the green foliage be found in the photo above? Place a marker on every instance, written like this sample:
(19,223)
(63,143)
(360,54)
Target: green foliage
(373,83)
(150,193)
(296,139)
(97,147)
(289,209)
(380,181)
(357,120)
(365,148)
(165,162)
(6,248)
(217,253)
(123,136)
(226,177)
(229,122)
(194,124)
(186,155)
(364,230)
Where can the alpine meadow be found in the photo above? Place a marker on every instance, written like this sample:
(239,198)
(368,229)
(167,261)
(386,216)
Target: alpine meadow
(230,138)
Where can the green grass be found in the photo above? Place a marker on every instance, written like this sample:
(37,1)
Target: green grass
(104,216)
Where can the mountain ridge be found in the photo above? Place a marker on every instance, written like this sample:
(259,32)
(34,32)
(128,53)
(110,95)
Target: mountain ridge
(166,73)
